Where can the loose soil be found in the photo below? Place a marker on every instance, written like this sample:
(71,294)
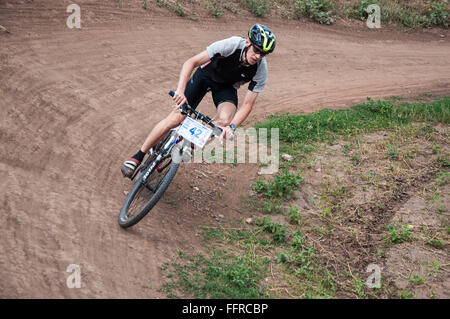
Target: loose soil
(75,103)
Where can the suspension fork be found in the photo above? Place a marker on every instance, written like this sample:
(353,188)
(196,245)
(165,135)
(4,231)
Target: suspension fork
(165,150)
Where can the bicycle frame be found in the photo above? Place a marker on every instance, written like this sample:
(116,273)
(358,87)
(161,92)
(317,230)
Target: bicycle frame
(165,150)
(175,139)
(168,153)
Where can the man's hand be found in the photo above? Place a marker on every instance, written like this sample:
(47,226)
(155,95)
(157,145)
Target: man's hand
(179,98)
(227,133)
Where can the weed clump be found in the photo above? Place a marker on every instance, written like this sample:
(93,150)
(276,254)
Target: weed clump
(279,186)
(320,11)
(411,15)
(398,234)
(220,275)
(259,8)
(277,230)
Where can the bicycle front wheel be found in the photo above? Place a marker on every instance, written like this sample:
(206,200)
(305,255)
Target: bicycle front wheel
(143,197)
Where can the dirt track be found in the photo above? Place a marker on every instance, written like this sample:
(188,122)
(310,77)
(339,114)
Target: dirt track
(75,103)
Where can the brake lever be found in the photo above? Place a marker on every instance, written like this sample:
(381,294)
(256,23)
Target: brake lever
(182,108)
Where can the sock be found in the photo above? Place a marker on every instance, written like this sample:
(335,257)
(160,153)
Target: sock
(139,156)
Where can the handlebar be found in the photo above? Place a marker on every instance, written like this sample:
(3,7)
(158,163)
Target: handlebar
(189,110)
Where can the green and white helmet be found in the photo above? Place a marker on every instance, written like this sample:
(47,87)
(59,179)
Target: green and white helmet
(262,37)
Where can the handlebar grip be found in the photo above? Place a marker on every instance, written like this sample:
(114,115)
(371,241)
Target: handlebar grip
(172,93)
(183,107)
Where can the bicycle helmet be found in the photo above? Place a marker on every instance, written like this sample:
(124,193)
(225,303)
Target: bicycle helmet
(262,37)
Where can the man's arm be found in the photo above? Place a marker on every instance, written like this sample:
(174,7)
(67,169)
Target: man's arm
(245,109)
(241,114)
(185,74)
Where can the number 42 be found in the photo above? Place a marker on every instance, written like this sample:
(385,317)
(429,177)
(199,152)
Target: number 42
(199,131)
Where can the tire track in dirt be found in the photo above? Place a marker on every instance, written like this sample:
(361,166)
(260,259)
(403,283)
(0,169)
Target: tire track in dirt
(75,103)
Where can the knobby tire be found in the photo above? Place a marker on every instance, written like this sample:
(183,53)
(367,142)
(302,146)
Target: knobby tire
(124,220)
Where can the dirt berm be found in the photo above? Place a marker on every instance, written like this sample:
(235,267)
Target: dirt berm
(74,103)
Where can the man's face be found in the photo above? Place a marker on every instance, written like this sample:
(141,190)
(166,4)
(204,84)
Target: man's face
(254,53)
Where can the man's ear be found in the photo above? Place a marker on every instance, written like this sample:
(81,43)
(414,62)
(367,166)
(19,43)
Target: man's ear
(247,42)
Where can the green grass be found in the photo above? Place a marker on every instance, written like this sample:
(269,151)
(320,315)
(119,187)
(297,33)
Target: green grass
(236,272)
(416,279)
(404,294)
(241,260)
(406,13)
(359,119)
(240,270)
(433,269)
(320,11)
(277,230)
(294,215)
(259,8)
(443,178)
(435,242)
(279,186)
(398,234)
(393,152)
(220,275)
(265,206)
(215,10)
(359,286)
(174,7)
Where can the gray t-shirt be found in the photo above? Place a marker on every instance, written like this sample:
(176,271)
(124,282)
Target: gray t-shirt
(227,47)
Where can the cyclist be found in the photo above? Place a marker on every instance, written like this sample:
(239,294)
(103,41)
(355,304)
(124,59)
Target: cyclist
(222,68)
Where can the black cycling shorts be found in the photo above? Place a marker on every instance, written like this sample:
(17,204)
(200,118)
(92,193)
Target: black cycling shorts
(199,84)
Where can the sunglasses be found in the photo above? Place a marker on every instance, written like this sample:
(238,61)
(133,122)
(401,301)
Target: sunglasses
(259,51)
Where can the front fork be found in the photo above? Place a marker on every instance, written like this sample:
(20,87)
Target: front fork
(178,152)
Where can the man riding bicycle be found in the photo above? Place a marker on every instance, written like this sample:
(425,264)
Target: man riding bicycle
(221,69)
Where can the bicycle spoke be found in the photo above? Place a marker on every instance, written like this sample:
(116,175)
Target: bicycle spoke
(139,202)
(147,190)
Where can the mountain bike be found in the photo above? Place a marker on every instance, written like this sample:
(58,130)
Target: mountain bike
(157,172)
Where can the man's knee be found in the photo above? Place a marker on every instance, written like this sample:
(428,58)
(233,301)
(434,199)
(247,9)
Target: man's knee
(225,113)
(174,118)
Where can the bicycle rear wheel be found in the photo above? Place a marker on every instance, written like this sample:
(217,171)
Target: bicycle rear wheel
(143,197)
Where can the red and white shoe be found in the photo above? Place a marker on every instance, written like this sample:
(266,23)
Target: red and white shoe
(129,167)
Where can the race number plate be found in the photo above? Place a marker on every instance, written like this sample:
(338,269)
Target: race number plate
(195,132)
